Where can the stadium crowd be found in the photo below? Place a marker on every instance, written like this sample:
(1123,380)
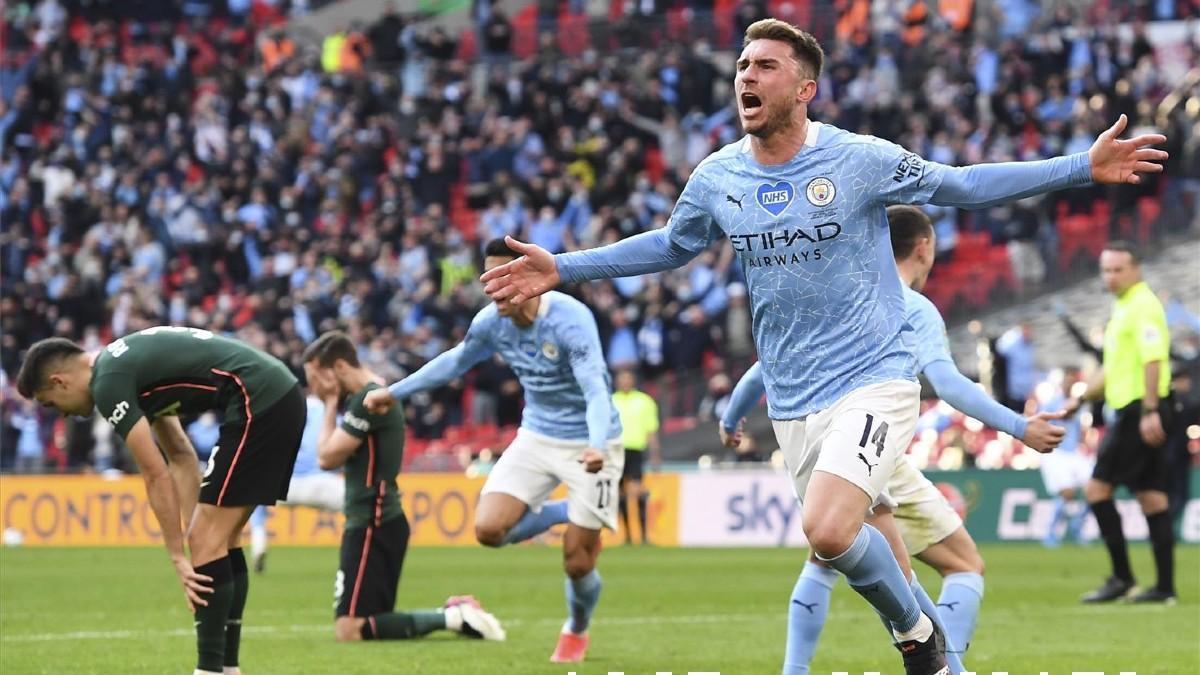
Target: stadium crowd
(192,164)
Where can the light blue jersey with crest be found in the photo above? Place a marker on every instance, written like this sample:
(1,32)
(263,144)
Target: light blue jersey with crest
(568,391)
(812,237)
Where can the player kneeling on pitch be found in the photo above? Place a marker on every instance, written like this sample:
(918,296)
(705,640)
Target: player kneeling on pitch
(369,448)
(570,433)
(141,383)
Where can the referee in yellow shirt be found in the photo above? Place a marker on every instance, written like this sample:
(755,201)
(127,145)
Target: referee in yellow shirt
(1135,383)
(639,419)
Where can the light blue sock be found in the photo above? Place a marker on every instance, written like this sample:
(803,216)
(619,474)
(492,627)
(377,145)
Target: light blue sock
(582,595)
(872,571)
(953,654)
(1052,538)
(807,610)
(532,524)
(958,607)
(258,518)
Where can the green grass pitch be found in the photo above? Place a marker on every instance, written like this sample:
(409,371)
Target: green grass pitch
(663,610)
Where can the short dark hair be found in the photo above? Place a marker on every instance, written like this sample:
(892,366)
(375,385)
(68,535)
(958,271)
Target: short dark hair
(908,224)
(499,248)
(1122,246)
(330,347)
(805,47)
(41,357)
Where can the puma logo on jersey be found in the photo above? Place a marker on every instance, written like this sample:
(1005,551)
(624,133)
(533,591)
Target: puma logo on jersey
(118,413)
(357,422)
(738,202)
(870,466)
(948,605)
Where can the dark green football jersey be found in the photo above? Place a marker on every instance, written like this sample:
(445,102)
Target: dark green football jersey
(372,495)
(172,370)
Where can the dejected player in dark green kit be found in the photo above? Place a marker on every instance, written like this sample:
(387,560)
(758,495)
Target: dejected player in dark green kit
(370,447)
(141,383)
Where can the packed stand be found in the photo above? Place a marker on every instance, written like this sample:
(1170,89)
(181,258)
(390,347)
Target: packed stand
(192,165)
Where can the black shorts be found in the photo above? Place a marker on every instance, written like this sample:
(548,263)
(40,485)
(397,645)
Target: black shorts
(1125,459)
(634,465)
(372,558)
(253,460)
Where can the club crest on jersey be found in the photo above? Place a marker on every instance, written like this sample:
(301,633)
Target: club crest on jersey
(550,350)
(820,191)
(775,198)
(528,348)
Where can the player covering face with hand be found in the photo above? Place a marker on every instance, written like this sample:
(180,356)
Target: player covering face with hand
(570,433)
(802,204)
(370,450)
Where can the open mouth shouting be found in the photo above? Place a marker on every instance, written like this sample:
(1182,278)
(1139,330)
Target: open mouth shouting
(751,104)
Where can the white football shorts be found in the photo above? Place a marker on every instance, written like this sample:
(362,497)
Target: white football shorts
(533,465)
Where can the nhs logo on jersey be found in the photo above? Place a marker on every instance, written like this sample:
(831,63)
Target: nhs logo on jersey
(775,198)
(528,348)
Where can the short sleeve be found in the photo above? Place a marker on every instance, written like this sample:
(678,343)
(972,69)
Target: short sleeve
(1153,340)
(932,342)
(116,399)
(896,175)
(651,414)
(358,422)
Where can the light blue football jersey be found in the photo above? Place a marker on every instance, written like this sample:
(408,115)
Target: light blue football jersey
(812,236)
(930,341)
(557,359)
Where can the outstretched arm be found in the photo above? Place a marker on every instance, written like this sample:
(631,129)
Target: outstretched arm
(954,388)
(1109,160)
(444,367)
(685,236)
(643,253)
(983,185)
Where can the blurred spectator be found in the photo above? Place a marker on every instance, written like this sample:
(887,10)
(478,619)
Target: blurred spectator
(31,438)
(1020,362)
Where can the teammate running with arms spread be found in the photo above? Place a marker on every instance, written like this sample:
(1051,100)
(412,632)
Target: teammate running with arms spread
(802,204)
(370,449)
(930,529)
(570,433)
(141,383)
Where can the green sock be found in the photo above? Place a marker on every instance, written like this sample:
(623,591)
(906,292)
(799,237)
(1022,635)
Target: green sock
(233,625)
(210,619)
(403,625)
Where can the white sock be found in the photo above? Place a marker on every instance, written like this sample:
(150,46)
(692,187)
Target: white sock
(232,670)
(206,672)
(258,541)
(454,618)
(920,632)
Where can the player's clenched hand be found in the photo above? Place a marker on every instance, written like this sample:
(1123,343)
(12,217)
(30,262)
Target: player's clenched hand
(193,584)
(592,460)
(731,440)
(1040,434)
(379,401)
(1120,161)
(534,273)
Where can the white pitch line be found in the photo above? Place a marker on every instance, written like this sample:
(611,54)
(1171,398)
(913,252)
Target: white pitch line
(311,628)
